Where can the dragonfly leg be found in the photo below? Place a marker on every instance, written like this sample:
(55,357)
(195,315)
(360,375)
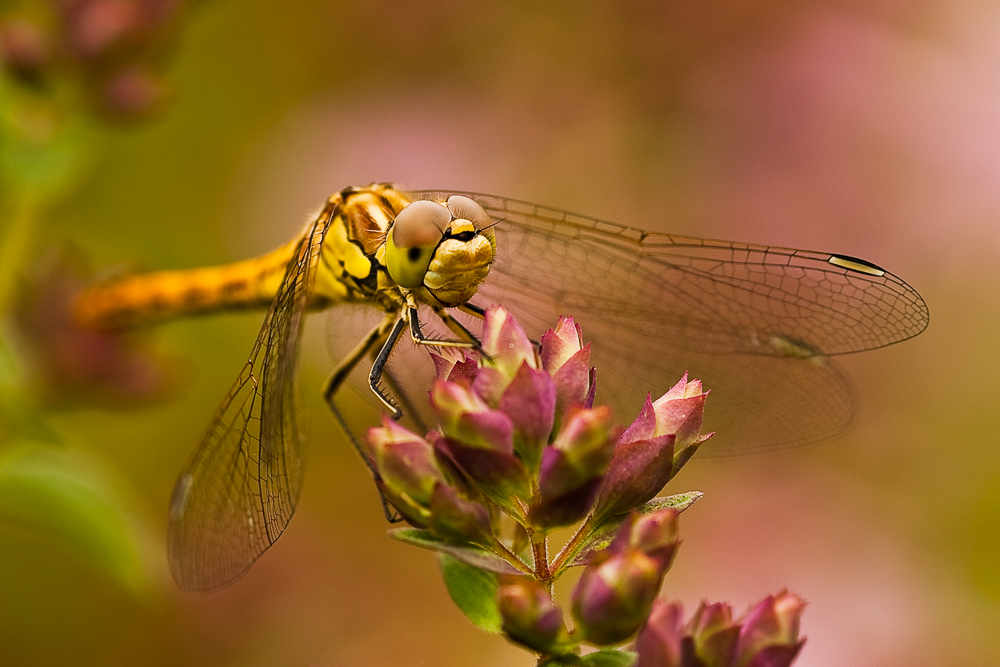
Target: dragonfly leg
(374,338)
(404,398)
(390,514)
(418,336)
(472,309)
(375,376)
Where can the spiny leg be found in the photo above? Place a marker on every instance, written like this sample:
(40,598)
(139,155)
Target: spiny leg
(418,336)
(375,376)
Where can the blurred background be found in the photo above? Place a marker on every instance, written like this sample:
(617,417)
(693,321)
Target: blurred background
(866,128)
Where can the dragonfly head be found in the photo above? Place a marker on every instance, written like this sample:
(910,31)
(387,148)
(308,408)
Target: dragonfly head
(446,248)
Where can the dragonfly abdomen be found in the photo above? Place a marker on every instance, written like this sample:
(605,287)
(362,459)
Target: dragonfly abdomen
(151,297)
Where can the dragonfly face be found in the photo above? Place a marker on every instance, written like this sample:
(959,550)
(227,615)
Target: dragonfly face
(759,325)
(445,248)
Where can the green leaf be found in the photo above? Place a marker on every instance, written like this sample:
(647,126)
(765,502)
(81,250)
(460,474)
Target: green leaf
(679,501)
(467,553)
(609,657)
(601,535)
(473,590)
(68,494)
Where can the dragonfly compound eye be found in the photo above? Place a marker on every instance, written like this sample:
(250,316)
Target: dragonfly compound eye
(412,240)
(463,208)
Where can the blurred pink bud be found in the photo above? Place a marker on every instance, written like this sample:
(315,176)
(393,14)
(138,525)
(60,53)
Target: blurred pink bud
(529,614)
(713,633)
(618,586)
(79,365)
(132,92)
(659,643)
(655,534)
(97,27)
(769,633)
(24,48)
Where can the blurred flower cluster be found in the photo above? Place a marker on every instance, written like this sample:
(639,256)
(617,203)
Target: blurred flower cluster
(109,51)
(67,69)
(71,71)
(521,451)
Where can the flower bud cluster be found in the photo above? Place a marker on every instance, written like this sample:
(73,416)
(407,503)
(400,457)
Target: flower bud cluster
(767,635)
(520,437)
(112,46)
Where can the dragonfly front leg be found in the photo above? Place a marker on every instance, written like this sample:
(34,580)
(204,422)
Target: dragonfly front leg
(416,333)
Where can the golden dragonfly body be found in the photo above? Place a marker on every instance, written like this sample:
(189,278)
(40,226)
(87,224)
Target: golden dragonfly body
(758,324)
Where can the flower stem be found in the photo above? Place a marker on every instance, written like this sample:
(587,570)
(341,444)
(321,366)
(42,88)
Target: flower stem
(570,547)
(540,553)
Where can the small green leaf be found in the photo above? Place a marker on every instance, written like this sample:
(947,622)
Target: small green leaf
(467,553)
(473,590)
(609,657)
(679,501)
(601,535)
(68,494)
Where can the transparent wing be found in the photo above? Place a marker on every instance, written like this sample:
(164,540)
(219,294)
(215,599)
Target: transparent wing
(756,323)
(240,488)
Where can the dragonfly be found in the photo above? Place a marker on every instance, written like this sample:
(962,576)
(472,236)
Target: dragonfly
(759,325)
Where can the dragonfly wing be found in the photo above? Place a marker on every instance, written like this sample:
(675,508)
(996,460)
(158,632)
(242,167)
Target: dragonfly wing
(240,488)
(756,323)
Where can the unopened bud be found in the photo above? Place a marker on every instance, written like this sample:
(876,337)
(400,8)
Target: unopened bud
(529,614)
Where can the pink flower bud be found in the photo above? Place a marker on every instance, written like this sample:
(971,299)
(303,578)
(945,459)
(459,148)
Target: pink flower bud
(655,534)
(407,468)
(455,519)
(505,344)
(680,411)
(560,344)
(529,615)
(659,643)
(530,402)
(567,360)
(769,633)
(464,417)
(713,633)
(613,597)
(572,467)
